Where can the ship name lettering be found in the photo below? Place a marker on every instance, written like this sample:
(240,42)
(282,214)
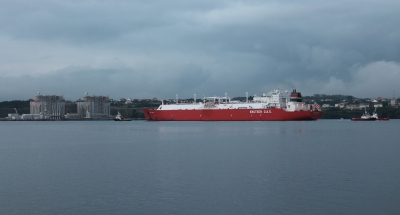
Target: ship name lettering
(260,111)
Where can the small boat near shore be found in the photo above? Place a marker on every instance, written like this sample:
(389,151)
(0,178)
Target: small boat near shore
(119,117)
(363,118)
(367,117)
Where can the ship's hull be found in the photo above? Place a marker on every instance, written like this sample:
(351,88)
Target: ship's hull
(267,114)
(362,119)
(369,119)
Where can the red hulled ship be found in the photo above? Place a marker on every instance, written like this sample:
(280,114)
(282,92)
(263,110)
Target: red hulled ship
(274,106)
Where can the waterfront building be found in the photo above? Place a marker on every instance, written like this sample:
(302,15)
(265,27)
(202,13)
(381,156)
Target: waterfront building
(48,106)
(94,106)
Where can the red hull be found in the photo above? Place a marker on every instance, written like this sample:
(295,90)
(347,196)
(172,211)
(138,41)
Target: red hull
(383,119)
(361,119)
(370,119)
(270,114)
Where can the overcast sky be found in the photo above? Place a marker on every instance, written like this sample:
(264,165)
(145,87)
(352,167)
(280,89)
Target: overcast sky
(159,48)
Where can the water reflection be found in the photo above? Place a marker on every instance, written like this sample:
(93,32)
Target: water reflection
(204,128)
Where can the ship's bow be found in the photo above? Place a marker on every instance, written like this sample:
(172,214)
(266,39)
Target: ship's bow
(146,113)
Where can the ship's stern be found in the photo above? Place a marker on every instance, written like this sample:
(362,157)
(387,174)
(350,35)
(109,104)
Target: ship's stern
(316,114)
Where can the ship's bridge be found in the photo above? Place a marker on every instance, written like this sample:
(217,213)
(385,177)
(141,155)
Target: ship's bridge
(275,98)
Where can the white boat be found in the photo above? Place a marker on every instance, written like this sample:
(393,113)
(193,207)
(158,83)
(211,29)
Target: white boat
(119,117)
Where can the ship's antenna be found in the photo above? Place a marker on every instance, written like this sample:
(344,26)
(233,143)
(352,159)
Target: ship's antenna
(247,97)
(176,98)
(194,99)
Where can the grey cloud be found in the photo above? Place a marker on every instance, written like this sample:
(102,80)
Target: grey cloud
(74,81)
(370,81)
(160,48)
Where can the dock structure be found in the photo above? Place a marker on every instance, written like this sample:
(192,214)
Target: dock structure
(50,107)
(94,106)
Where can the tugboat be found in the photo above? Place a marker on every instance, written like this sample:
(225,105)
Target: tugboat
(367,117)
(119,117)
(375,115)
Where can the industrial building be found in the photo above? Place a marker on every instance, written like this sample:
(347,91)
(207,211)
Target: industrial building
(47,107)
(94,107)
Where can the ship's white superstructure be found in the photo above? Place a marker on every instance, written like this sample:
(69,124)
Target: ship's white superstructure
(274,99)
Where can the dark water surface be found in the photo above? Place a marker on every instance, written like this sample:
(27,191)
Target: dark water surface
(138,167)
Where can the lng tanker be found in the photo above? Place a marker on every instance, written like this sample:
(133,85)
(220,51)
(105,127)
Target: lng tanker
(274,106)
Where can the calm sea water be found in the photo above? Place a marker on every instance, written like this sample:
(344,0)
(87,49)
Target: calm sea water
(138,167)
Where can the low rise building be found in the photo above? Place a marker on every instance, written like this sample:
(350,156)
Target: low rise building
(341,105)
(353,107)
(393,102)
(13,116)
(326,106)
(363,106)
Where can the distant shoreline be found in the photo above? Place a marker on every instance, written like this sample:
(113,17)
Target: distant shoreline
(133,119)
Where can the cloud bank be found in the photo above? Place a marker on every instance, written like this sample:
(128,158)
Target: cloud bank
(150,49)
